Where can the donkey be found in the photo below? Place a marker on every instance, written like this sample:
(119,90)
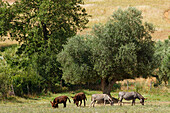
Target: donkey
(58,100)
(130,96)
(79,97)
(98,97)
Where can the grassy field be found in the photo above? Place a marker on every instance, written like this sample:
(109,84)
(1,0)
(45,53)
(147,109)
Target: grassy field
(156,104)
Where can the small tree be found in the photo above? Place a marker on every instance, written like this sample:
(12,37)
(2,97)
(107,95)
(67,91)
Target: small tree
(162,57)
(6,71)
(120,49)
(75,60)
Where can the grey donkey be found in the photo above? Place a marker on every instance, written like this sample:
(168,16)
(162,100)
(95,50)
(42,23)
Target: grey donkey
(131,96)
(98,97)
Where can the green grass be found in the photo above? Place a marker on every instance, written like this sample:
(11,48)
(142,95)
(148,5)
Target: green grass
(46,108)
(156,103)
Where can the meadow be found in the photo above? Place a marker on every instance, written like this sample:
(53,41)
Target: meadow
(156,103)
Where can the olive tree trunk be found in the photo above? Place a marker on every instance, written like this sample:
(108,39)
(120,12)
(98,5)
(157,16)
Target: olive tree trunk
(106,89)
(107,85)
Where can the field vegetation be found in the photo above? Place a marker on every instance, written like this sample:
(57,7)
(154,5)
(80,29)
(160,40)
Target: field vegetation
(157,102)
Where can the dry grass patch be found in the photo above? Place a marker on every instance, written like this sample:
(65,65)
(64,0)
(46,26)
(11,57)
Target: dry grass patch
(153,11)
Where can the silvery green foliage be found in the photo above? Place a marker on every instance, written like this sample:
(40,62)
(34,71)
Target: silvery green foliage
(162,57)
(75,60)
(119,49)
(123,46)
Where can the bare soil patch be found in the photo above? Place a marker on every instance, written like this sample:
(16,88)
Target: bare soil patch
(161,35)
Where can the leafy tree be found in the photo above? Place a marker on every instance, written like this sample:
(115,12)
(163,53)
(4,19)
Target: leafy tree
(162,57)
(5,70)
(41,27)
(120,49)
(17,78)
(75,60)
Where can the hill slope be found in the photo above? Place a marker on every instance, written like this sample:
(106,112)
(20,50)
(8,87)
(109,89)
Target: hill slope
(154,11)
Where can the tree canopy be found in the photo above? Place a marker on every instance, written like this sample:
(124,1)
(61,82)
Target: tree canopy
(162,57)
(120,49)
(41,27)
(37,22)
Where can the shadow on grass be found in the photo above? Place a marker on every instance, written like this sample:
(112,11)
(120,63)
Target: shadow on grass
(30,98)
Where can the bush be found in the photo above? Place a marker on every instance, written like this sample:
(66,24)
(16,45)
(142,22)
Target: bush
(116,86)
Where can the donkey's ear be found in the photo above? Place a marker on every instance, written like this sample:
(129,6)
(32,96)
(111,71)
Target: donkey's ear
(51,102)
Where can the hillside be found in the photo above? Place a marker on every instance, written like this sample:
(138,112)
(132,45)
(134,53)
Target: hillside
(153,11)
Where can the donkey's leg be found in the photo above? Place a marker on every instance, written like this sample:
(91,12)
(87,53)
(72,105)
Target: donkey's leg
(94,102)
(57,105)
(120,101)
(64,104)
(104,102)
(91,103)
(84,102)
(80,102)
(77,103)
(133,102)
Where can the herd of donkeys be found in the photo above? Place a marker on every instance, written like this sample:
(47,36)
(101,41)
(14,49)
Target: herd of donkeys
(98,97)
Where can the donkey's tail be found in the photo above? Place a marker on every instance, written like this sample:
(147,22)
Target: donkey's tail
(69,99)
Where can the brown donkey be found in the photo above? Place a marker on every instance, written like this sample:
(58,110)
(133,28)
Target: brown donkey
(58,100)
(79,97)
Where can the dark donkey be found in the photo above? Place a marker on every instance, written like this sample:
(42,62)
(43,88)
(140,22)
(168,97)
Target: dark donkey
(131,96)
(58,100)
(79,97)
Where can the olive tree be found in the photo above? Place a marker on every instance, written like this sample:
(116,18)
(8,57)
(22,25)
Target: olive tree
(120,49)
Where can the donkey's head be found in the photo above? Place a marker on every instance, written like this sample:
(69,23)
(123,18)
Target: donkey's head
(54,105)
(142,100)
(110,100)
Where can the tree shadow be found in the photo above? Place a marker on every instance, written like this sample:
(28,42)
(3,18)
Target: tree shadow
(10,99)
